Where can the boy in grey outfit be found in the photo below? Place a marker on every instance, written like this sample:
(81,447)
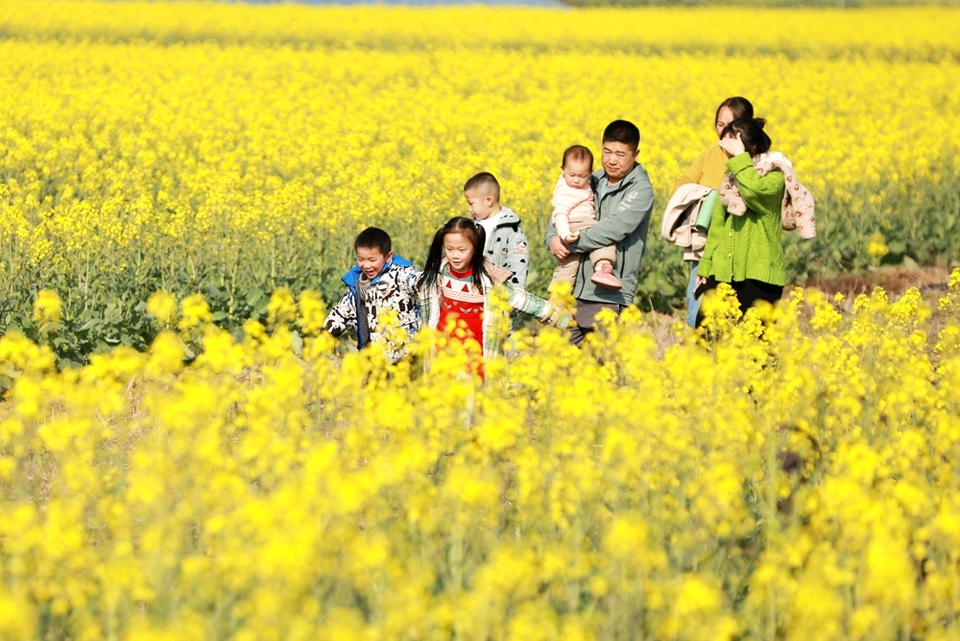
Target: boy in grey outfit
(506,245)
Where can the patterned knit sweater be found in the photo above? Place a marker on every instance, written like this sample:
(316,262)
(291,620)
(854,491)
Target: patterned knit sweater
(522,301)
(461,305)
(749,246)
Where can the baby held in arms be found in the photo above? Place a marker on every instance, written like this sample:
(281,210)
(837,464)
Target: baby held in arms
(574,211)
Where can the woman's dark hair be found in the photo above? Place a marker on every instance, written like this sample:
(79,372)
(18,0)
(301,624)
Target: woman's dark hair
(739,106)
(474,234)
(755,139)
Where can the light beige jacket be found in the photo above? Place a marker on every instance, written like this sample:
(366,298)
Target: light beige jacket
(679,218)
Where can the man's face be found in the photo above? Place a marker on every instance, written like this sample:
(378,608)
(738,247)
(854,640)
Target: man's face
(618,160)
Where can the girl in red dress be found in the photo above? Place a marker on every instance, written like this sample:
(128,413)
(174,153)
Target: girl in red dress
(455,290)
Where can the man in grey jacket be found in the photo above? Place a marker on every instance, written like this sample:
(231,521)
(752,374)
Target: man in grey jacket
(623,197)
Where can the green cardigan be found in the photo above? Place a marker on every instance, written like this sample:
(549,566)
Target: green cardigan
(749,246)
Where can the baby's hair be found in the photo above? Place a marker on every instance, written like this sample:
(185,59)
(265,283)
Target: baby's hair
(577,153)
(739,106)
(755,139)
(373,238)
(485,184)
(474,234)
(623,131)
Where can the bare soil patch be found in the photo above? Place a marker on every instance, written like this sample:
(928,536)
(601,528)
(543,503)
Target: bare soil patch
(894,280)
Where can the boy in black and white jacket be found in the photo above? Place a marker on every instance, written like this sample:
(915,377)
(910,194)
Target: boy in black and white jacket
(380,280)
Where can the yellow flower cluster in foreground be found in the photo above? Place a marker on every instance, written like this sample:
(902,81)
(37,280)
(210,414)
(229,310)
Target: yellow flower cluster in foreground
(793,477)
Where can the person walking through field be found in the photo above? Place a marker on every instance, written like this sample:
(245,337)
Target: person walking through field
(744,243)
(455,291)
(379,281)
(623,200)
(506,244)
(708,170)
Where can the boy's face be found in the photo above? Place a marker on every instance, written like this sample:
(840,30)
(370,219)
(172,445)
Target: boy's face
(618,160)
(576,173)
(481,206)
(371,261)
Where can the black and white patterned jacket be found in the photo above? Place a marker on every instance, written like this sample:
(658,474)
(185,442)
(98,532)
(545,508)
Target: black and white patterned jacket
(395,288)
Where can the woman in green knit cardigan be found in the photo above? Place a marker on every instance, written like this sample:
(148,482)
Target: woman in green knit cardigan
(746,250)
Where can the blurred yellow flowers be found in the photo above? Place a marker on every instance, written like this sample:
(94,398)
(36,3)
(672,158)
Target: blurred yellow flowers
(803,481)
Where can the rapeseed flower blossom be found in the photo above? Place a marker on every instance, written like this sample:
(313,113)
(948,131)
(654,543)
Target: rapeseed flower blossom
(796,480)
(194,313)
(163,307)
(46,309)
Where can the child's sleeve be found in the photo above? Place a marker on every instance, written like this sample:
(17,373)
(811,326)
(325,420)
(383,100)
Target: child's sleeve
(518,258)
(563,201)
(408,281)
(342,317)
(543,310)
(429,298)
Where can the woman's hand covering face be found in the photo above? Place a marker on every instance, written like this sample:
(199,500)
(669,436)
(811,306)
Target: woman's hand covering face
(732,145)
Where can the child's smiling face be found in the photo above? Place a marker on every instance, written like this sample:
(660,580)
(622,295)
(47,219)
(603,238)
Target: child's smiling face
(459,251)
(371,261)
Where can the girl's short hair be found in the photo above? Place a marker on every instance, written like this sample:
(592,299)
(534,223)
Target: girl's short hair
(739,106)
(474,234)
(577,153)
(755,139)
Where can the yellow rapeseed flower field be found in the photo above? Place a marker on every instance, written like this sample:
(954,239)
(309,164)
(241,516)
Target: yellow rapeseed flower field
(797,482)
(187,179)
(234,149)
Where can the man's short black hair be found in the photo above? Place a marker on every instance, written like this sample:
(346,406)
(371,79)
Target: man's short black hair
(623,131)
(374,238)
